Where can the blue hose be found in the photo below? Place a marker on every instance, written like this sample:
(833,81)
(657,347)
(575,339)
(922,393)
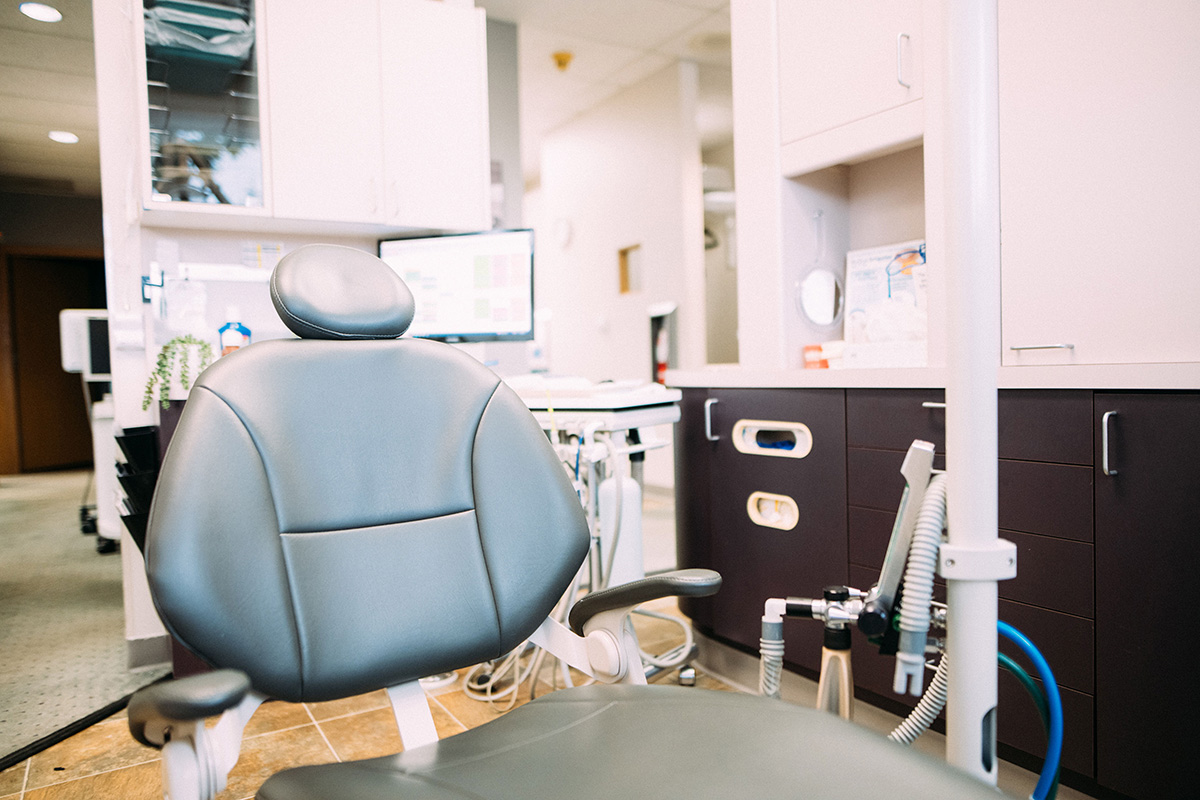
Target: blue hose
(1053,701)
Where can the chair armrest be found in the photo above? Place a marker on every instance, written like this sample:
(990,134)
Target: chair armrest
(153,709)
(196,759)
(681,583)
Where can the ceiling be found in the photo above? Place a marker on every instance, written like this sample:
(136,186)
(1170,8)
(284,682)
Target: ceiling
(614,43)
(47,76)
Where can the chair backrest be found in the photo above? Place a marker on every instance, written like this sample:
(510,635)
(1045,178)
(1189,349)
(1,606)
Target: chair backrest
(343,513)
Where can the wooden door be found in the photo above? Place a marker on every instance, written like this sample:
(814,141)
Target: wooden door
(51,412)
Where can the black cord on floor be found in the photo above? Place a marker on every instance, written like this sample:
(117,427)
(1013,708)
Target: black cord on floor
(66,732)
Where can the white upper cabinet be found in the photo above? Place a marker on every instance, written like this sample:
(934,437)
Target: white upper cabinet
(373,117)
(1100,182)
(843,62)
(325,94)
(435,116)
(203,119)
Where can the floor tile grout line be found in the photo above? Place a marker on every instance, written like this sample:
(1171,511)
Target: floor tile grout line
(321,732)
(275,730)
(449,713)
(343,716)
(88,776)
(25,779)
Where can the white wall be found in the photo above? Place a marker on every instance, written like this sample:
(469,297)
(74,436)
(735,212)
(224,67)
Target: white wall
(720,267)
(504,124)
(625,173)
(761,197)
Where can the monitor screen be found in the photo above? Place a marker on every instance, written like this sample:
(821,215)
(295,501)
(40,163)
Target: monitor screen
(469,287)
(83,343)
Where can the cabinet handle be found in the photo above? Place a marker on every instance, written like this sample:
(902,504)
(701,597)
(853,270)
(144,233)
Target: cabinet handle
(1043,347)
(900,37)
(932,404)
(708,434)
(1104,464)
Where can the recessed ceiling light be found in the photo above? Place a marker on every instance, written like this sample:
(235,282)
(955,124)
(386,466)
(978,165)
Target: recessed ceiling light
(66,137)
(41,12)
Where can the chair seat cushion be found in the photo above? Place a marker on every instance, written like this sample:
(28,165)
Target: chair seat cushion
(630,741)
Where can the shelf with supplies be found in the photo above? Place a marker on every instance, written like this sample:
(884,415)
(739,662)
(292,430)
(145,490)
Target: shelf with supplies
(863,285)
(204,131)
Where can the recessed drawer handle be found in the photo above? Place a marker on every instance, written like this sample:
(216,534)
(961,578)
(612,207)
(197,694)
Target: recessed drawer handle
(773,510)
(1104,462)
(772,438)
(1044,347)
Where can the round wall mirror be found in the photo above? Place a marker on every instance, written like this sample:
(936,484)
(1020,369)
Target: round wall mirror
(821,297)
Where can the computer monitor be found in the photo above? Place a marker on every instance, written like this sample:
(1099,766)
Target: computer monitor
(468,287)
(83,337)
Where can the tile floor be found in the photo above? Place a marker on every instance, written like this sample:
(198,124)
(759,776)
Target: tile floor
(103,761)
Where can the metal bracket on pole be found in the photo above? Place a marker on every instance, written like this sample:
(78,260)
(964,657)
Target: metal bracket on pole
(995,561)
(148,284)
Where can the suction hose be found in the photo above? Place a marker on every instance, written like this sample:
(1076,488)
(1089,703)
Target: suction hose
(918,588)
(770,648)
(926,711)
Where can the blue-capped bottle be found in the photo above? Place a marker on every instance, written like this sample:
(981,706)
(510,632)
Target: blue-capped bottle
(233,334)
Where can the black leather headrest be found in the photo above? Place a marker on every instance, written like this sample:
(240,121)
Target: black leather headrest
(325,291)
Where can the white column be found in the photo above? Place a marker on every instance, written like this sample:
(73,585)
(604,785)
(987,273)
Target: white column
(973,345)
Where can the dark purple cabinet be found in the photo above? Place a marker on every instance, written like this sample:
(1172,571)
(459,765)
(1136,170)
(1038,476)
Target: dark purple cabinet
(756,561)
(1045,508)
(1147,564)
(1100,491)
(693,500)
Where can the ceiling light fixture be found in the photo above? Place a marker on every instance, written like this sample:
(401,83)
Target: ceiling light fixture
(41,12)
(66,137)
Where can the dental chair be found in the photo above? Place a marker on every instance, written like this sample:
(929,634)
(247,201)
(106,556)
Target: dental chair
(350,511)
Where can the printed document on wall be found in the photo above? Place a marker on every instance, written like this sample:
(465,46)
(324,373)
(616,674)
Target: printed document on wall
(886,306)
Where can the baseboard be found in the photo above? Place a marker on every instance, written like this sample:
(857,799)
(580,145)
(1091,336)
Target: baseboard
(148,651)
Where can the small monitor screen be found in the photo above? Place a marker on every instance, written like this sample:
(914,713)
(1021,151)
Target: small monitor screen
(471,287)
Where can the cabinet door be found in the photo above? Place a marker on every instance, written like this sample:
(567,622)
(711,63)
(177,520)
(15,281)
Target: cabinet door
(435,121)
(1098,189)
(1147,554)
(693,492)
(759,562)
(324,94)
(842,62)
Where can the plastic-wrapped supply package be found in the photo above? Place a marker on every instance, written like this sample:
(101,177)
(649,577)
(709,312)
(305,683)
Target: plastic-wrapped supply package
(886,306)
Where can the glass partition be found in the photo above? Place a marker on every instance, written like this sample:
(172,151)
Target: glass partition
(202,96)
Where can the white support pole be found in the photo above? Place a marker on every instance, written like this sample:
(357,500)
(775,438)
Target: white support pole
(972,262)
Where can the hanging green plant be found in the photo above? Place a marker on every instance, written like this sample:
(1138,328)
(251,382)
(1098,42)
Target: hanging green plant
(175,352)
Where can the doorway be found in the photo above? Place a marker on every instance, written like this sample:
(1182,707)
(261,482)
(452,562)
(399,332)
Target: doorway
(43,410)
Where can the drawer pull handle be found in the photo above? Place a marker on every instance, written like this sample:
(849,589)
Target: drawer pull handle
(900,37)
(1104,462)
(770,438)
(773,510)
(932,404)
(708,434)
(1044,347)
